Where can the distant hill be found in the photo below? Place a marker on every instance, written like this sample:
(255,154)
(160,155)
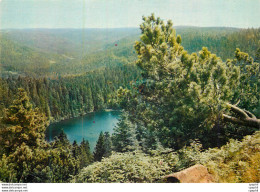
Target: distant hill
(17,58)
(69,41)
(222,41)
(55,52)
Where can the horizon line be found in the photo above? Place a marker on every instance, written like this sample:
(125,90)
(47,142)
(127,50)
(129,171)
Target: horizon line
(107,28)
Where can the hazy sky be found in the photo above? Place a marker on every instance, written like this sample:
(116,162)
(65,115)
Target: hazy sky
(126,13)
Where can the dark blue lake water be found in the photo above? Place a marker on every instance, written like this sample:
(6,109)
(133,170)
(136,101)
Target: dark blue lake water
(87,127)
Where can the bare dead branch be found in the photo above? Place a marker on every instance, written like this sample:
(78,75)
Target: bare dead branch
(240,112)
(250,122)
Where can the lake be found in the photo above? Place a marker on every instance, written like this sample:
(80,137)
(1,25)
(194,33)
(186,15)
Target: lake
(88,127)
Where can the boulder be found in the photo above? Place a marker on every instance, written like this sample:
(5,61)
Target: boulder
(195,174)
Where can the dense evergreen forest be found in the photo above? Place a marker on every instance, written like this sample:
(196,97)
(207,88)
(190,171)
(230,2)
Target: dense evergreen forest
(181,104)
(68,60)
(71,96)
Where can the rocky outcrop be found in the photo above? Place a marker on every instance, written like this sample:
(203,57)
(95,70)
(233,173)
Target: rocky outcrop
(194,174)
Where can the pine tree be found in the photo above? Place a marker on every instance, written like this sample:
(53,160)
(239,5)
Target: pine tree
(24,124)
(100,148)
(47,111)
(85,156)
(62,139)
(124,136)
(75,149)
(23,138)
(62,162)
(89,101)
(189,96)
(107,145)
(257,55)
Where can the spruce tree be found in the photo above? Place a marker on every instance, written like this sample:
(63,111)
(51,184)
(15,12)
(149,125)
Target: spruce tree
(62,162)
(100,148)
(257,55)
(85,156)
(75,149)
(124,136)
(89,101)
(107,145)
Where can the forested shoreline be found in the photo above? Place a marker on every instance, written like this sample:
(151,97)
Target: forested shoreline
(69,97)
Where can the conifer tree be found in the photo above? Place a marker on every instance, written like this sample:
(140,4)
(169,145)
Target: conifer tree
(189,96)
(257,55)
(124,136)
(23,138)
(85,156)
(62,162)
(107,144)
(24,124)
(75,149)
(100,148)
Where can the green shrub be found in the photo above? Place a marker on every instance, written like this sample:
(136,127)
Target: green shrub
(130,167)
(235,162)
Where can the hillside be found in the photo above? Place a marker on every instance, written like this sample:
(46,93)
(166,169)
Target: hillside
(76,42)
(59,52)
(16,58)
(221,41)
